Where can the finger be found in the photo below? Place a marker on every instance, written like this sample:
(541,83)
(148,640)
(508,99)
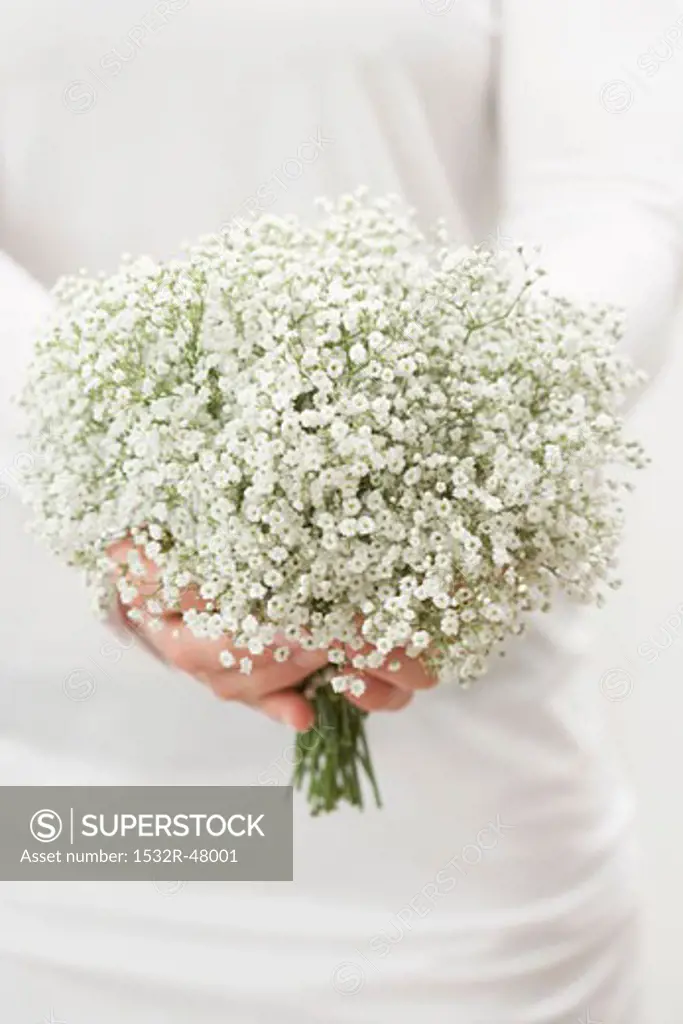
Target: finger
(176,642)
(261,682)
(380,696)
(289,707)
(411,675)
(146,583)
(200,657)
(119,550)
(142,635)
(190,599)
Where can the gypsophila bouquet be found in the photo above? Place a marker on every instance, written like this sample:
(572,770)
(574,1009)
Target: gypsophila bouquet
(348,434)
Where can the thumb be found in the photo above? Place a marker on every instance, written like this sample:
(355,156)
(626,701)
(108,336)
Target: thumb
(289,707)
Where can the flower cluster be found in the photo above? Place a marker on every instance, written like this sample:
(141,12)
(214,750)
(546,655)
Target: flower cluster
(346,433)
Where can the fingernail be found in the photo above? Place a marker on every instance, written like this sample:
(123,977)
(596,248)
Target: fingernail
(294,719)
(291,719)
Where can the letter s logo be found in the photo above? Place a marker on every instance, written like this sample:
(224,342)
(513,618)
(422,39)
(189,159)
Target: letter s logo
(46,826)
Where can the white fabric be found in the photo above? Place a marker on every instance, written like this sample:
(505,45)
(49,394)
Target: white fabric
(497,885)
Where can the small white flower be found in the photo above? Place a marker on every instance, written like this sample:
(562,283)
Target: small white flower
(339,684)
(348,684)
(356,687)
(343,433)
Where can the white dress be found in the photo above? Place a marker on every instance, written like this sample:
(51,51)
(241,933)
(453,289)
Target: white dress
(497,885)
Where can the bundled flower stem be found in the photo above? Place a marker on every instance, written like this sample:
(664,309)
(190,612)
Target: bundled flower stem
(333,757)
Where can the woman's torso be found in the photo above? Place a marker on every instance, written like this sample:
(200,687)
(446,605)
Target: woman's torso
(130,128)
(123,128)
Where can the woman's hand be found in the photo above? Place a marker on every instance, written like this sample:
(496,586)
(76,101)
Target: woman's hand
(387,690)
(271,687)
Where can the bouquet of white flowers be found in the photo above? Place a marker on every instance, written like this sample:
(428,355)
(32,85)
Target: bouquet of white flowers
(347,434)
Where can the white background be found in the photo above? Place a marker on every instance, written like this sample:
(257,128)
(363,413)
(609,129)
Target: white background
(646,696)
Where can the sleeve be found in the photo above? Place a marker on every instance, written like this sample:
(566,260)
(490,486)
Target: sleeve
(23,305)
(591,161)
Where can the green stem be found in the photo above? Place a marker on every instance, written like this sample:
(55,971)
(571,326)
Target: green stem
(330,755)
